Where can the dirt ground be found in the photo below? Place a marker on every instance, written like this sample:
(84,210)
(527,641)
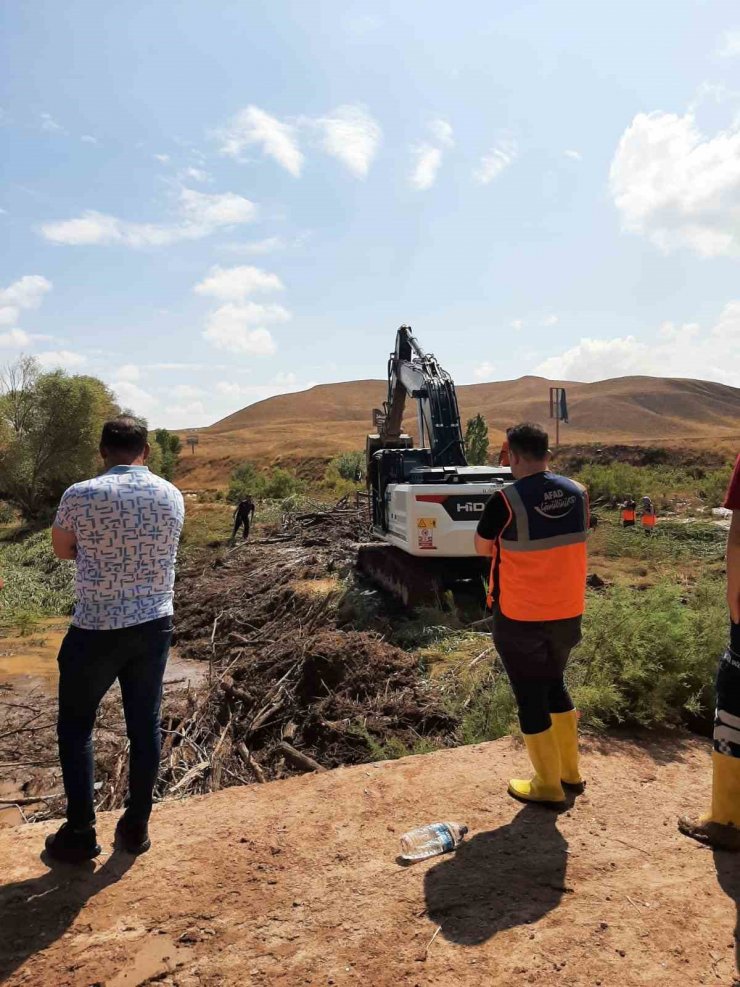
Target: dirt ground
(297,882)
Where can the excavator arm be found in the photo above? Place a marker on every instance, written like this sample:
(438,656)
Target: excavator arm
(416,374)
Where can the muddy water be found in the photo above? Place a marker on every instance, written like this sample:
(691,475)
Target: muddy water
(29,662)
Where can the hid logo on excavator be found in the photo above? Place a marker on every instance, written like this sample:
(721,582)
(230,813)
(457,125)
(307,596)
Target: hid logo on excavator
(465,508)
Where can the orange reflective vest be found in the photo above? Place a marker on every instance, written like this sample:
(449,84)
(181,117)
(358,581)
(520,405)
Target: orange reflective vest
(649,520)
(541,553)
(628,516)
(503,456)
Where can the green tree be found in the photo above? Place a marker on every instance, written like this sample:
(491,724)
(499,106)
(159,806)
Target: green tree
(50,423)
(245,481)
(169,446)
(476,441)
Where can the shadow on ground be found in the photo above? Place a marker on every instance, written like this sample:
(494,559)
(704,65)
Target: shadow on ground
(35,913)
(727,866)
(499,879)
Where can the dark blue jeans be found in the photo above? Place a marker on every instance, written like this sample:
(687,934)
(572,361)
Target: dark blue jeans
(89,664)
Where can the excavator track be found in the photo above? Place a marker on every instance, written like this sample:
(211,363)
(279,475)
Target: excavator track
(416,582)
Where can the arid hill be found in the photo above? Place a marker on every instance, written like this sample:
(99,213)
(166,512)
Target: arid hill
(330,418)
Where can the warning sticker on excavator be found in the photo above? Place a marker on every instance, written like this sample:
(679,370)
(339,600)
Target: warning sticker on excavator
(426,526)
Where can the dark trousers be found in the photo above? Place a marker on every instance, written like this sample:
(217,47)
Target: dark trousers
(89,664)
(727,715)
(238,524)
(534,654)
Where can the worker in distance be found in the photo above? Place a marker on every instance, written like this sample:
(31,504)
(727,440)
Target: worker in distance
(535,533)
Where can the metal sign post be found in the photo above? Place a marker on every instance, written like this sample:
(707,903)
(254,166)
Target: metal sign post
(192,441)
(558,410)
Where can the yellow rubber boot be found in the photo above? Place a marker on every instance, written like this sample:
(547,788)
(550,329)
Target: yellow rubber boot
(721,826)
(545,787)
(565,726)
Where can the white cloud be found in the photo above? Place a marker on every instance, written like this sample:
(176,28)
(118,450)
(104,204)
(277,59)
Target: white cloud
(501,155)
(184,414)
(64,359)
(129,372)
(428,160)
(195,174)
(730,46)
(15,339)
(484,371)
(252,126)
(284,378)
(89,139)
(201,214)
(49,124)
(429,156)
(186,392)
(678,187)
(351,136)
(573,154)
(550,320)
(27,292)
(673,350)
(233,284)
(517,324)
(135,398)
(242,328)
(442,132)
(162,158)
(248,393)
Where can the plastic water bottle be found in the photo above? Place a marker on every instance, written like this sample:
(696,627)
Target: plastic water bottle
(428,841)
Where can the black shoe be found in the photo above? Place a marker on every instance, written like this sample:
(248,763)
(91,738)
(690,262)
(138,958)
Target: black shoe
(132,835)
(73,844)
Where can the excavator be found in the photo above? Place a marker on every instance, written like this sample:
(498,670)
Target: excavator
(424,499)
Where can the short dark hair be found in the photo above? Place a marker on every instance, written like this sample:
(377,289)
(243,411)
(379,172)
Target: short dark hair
(124,434)
(529,440)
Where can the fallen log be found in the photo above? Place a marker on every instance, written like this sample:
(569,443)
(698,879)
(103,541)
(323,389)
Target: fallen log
(297,759)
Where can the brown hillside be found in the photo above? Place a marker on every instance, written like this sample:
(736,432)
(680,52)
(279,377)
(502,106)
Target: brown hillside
(331,418)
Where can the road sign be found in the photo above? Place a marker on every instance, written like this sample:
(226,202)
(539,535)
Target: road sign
(558,410)
(192,441)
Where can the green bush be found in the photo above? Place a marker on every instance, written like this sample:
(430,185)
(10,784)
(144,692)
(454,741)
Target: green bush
(247,481)
(616,481)
(649,657)
(36,581)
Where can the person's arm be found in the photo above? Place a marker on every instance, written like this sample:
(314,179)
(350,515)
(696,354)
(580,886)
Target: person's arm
(494,519)
(733,567)
(732,502)
(64,543)
(63,538)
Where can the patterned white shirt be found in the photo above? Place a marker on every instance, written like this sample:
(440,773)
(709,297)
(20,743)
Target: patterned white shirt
(127,524)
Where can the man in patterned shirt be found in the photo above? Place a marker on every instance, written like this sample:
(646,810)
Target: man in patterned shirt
(122,529)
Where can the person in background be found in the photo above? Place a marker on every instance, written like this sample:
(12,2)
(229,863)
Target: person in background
(535,533)
(629,512)
(720,827)
(243,517)
(648,517)
(122,529)
(503,456)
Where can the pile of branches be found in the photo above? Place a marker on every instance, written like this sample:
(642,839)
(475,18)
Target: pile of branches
(290,689)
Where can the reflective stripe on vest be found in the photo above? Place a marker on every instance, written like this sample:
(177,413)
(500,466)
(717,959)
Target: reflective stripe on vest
(543,578)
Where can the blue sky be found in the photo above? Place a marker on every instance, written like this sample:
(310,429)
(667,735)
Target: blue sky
(208,203)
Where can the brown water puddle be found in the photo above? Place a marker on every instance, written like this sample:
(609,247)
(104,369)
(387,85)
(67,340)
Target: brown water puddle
(29,662)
